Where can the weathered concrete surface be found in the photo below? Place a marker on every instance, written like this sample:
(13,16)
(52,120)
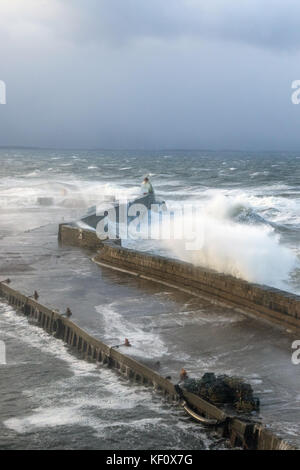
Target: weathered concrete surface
(78,237)
(280,307)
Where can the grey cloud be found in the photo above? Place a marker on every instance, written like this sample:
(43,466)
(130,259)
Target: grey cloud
(149,73)
(263,23)
(270,24)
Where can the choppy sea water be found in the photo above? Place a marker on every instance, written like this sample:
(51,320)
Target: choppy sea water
(248,204)
(52,400)
(249,211)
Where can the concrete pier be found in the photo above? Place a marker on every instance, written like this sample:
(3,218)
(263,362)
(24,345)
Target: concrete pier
(249,435)
(280,307)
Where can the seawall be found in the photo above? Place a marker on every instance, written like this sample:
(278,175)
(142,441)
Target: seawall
(277,306)
(266,302)
(247,434)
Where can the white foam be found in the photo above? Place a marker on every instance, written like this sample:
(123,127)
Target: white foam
(252,252)
(36,337)
(117,327)
(74,400)
(40,418)
(66,192)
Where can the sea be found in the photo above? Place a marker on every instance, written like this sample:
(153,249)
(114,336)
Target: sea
(247,215)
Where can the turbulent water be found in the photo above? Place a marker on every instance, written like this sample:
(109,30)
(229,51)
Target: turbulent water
(248,216)
(67,403)
(248,204)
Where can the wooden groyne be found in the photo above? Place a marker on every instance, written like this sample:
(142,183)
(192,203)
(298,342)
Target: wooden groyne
(246,434)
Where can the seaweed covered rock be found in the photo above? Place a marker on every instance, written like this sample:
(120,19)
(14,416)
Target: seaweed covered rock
(223,389)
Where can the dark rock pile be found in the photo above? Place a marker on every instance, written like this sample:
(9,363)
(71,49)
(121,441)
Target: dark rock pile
(223,389)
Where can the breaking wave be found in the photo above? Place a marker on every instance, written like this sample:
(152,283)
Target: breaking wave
(234,239)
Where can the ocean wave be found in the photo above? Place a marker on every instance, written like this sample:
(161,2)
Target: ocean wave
(230,237)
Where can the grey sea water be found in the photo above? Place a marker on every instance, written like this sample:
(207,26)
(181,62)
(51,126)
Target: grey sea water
(249,208)
(249,203)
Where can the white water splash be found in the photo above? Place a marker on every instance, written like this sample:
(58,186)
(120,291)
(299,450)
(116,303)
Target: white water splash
(245,250)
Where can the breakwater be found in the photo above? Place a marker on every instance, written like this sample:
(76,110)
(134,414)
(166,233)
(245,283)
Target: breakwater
(247,434)
(279,307)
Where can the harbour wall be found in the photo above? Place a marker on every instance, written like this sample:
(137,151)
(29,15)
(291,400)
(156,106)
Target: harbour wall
(249,435)
(75,236)
(263,301)
(277,306)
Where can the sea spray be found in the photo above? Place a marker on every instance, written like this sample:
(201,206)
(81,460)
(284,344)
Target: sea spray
(248,250)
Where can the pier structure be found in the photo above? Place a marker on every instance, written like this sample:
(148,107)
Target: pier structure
(264,302)
(242,433)
(261,302)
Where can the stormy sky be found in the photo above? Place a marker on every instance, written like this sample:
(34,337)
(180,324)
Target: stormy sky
(150,73)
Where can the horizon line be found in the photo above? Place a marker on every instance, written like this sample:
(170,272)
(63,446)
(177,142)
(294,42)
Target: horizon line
(132,149)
